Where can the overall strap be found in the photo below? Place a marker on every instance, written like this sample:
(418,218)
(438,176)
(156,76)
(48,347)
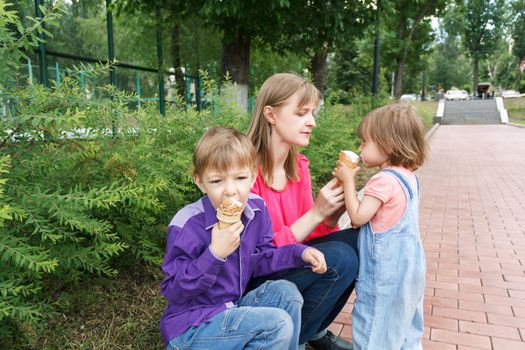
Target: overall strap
(404,181)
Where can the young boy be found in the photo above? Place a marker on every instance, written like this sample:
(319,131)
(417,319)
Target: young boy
(207,268)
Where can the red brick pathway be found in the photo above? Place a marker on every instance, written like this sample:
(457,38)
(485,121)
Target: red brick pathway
(472,221)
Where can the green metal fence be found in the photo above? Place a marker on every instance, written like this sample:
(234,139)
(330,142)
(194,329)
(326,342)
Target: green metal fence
(193,90)
(44,69)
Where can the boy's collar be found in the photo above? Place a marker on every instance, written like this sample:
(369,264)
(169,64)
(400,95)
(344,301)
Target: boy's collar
(210,213)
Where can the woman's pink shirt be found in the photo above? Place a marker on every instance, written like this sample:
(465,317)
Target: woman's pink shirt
(289,204)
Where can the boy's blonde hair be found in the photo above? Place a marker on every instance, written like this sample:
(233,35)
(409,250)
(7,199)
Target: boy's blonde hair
(220,149)
(398,132)
(274,92)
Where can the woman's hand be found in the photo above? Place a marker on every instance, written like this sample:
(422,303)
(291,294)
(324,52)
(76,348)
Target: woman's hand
(329,200)
(315,258)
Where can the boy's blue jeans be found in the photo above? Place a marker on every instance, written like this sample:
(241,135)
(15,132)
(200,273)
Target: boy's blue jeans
(324,295)
(268,317)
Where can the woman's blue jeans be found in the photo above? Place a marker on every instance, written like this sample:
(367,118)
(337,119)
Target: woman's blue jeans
(268,317)
(324,295)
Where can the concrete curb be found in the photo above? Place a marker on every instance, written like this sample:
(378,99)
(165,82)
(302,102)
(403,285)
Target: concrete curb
(516,125)
(431,131)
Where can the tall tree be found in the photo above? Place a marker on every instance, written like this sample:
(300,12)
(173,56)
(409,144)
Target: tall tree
(318,26)
(450,66)
(350,69)
(481,31)
(175,11)
(241,22)
(408,34)
(518,36)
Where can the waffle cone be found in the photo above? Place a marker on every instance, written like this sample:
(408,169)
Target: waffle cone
(223,225)
(228,219)
(229,212)
(346,161)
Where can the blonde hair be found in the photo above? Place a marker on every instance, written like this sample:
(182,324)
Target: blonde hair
(274,92)
(398,132)
(220,149)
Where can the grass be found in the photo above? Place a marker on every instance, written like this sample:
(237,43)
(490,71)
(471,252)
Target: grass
(106,313)
(427,111)
(123,312)
(516,109)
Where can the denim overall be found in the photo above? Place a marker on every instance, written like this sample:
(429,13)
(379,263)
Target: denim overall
(388,312)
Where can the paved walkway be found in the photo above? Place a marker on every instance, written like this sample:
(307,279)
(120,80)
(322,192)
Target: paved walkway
(472,221)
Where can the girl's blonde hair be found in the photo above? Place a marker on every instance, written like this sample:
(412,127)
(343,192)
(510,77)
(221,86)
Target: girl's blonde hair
(274,92)
(220,149)
(398,132)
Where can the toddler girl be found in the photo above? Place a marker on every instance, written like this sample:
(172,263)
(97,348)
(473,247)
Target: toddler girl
(388,311)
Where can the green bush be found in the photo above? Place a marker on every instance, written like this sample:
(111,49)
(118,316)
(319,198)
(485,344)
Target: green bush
(88,186)
(91,186)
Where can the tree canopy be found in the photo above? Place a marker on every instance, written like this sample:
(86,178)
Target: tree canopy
(482,27)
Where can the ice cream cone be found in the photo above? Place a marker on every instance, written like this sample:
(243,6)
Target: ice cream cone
(229,212)
(349,159)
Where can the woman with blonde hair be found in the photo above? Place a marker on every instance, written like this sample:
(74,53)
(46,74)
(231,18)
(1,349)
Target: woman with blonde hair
(282,122)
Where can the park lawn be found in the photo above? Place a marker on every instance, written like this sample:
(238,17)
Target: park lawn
(427,111)
(516,109)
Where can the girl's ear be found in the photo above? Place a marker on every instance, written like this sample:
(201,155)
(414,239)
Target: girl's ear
(269,114)
(198,181)
(254,177)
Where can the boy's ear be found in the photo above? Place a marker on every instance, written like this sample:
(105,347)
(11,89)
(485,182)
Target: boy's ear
(269,114)
(198,181)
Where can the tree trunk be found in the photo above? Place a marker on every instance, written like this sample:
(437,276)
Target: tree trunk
(180,84)
(318,67)
(401,59)
(398,79)
(475,74)
(235,63)
(517,83)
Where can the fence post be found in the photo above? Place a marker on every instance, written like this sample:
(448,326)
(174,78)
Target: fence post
(187,79)
(375,80)
(198,92)
(162,102)
(42,58)
(111,55)
(111,45)
(137,80)
(57,75)
(83,83)
(30,70)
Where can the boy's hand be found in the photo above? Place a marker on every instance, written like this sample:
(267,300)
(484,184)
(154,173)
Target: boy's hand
(226,241)
(344,173)
(315,258)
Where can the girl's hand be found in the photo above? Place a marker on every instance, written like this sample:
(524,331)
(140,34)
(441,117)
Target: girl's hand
(315,258)
(329,199)
(344,173)
(225,241)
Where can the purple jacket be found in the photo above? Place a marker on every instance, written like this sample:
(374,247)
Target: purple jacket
(197,285)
